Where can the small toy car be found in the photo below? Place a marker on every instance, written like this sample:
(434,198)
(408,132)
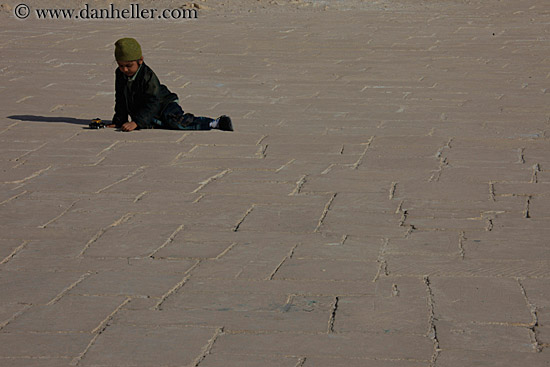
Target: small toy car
(96,124)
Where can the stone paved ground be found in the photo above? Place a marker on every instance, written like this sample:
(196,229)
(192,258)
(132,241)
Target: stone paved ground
(383,202)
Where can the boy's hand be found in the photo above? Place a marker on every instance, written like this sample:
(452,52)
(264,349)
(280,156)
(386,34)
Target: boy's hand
(129,126)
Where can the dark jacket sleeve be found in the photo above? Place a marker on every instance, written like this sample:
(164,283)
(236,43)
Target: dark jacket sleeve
(121,109)
(151,102)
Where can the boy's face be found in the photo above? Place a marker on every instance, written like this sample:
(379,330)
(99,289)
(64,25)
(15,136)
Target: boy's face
(129,68)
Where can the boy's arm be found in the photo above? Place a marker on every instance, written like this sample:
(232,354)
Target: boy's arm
(121,112)
(152,103)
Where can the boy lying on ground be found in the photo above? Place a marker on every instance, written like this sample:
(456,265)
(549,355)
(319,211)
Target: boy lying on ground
(139,94)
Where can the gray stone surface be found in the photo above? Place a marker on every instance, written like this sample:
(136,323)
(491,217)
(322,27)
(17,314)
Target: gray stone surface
(383,201)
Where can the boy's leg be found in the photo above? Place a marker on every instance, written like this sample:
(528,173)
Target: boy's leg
(174,118)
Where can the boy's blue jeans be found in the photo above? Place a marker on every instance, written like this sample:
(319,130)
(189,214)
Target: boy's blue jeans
(174,118)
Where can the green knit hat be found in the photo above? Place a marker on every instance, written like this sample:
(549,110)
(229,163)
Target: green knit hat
(127,49)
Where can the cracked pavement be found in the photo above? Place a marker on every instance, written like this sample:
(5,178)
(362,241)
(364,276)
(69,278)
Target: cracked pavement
(382,202)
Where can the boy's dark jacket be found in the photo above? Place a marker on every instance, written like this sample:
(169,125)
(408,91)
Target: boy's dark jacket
(144,100)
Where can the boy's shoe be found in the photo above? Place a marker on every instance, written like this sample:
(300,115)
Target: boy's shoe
(224,123)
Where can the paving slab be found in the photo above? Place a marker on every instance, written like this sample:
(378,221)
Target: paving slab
(48,345)
(359,345)
(482,295)
(458,357)
(393,313)
(69,314)
(353,362)
(382,202)
(471,336)
(128,345)
(37,362)
(251,361)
